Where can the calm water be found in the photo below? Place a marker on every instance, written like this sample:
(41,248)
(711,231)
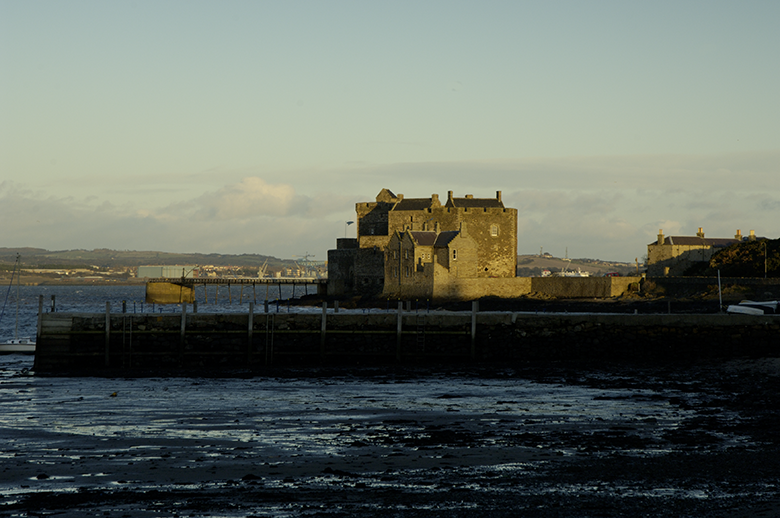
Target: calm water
(93,299)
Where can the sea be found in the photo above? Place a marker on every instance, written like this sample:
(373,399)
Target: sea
(401,442)
(131,299)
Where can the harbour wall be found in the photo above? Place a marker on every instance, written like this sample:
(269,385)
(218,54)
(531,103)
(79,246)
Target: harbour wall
(226,344)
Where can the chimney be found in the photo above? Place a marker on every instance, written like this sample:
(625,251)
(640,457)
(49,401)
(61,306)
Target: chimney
(660,236)
(700,233)
(498,196)
(449,195)
(738,235)
(469,196)
(752,235)
(435,200)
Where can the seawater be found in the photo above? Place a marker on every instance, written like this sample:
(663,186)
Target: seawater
(93,299)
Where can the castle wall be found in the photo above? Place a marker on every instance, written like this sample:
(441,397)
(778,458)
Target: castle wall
(476,288)
(341,274)
(369,271)
(497,253)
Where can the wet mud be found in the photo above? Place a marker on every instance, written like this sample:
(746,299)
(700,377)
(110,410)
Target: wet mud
(540,440)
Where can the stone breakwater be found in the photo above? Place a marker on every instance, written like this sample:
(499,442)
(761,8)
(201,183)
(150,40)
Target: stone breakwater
(139,344)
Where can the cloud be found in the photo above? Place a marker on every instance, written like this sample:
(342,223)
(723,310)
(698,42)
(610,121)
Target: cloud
(251,216)
(248,199)
(600,207)
(254,199)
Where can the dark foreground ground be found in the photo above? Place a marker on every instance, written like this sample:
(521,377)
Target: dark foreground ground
(701,440)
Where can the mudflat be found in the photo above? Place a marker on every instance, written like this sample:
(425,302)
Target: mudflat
(552,440)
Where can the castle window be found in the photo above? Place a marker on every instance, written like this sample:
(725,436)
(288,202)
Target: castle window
(395,272)
(408,271)
(406,254)
(454,255)
(494,230)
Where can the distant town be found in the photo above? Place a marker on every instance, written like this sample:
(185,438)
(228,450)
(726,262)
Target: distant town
(49,267)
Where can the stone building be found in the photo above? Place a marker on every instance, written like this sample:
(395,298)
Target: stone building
(672,255)
(418,264)
(481,232)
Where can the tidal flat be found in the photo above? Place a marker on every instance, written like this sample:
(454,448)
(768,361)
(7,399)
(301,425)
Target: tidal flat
(551,440)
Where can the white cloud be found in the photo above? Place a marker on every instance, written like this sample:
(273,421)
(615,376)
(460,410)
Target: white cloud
(248,199)
(601,207)
(251,216)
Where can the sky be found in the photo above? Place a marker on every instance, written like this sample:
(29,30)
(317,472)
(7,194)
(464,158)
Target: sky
(255,126)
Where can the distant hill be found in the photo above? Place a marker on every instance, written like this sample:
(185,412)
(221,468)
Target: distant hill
(105,258)
(528,265)
(533,265)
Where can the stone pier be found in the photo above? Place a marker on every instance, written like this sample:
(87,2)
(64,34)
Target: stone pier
(222,344)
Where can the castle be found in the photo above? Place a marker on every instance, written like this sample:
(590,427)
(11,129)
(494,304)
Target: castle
(423,248)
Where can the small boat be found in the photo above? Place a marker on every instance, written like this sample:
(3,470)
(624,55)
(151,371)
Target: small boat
(565,272)
(749,307)
(16,344)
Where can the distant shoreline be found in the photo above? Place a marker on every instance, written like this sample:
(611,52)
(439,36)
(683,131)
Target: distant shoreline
(32,281)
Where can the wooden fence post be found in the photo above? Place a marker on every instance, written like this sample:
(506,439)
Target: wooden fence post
(40,319)
(474,310)
(399,329)
(249,331)
(108,330)
(323,327)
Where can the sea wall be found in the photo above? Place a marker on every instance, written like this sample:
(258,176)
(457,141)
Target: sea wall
(584,287)
(514,287)
(218,344)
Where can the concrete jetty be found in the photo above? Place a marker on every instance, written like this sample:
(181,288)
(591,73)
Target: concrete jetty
(250,342)
(182,290)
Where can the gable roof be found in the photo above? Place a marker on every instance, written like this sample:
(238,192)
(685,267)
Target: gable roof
(444,238)
(430,238)
(423,237)
(386,195)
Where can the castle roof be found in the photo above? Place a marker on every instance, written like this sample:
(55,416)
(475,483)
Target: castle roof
(430,238)
(469,201)
(699,241)
(413,204)
(475,202)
